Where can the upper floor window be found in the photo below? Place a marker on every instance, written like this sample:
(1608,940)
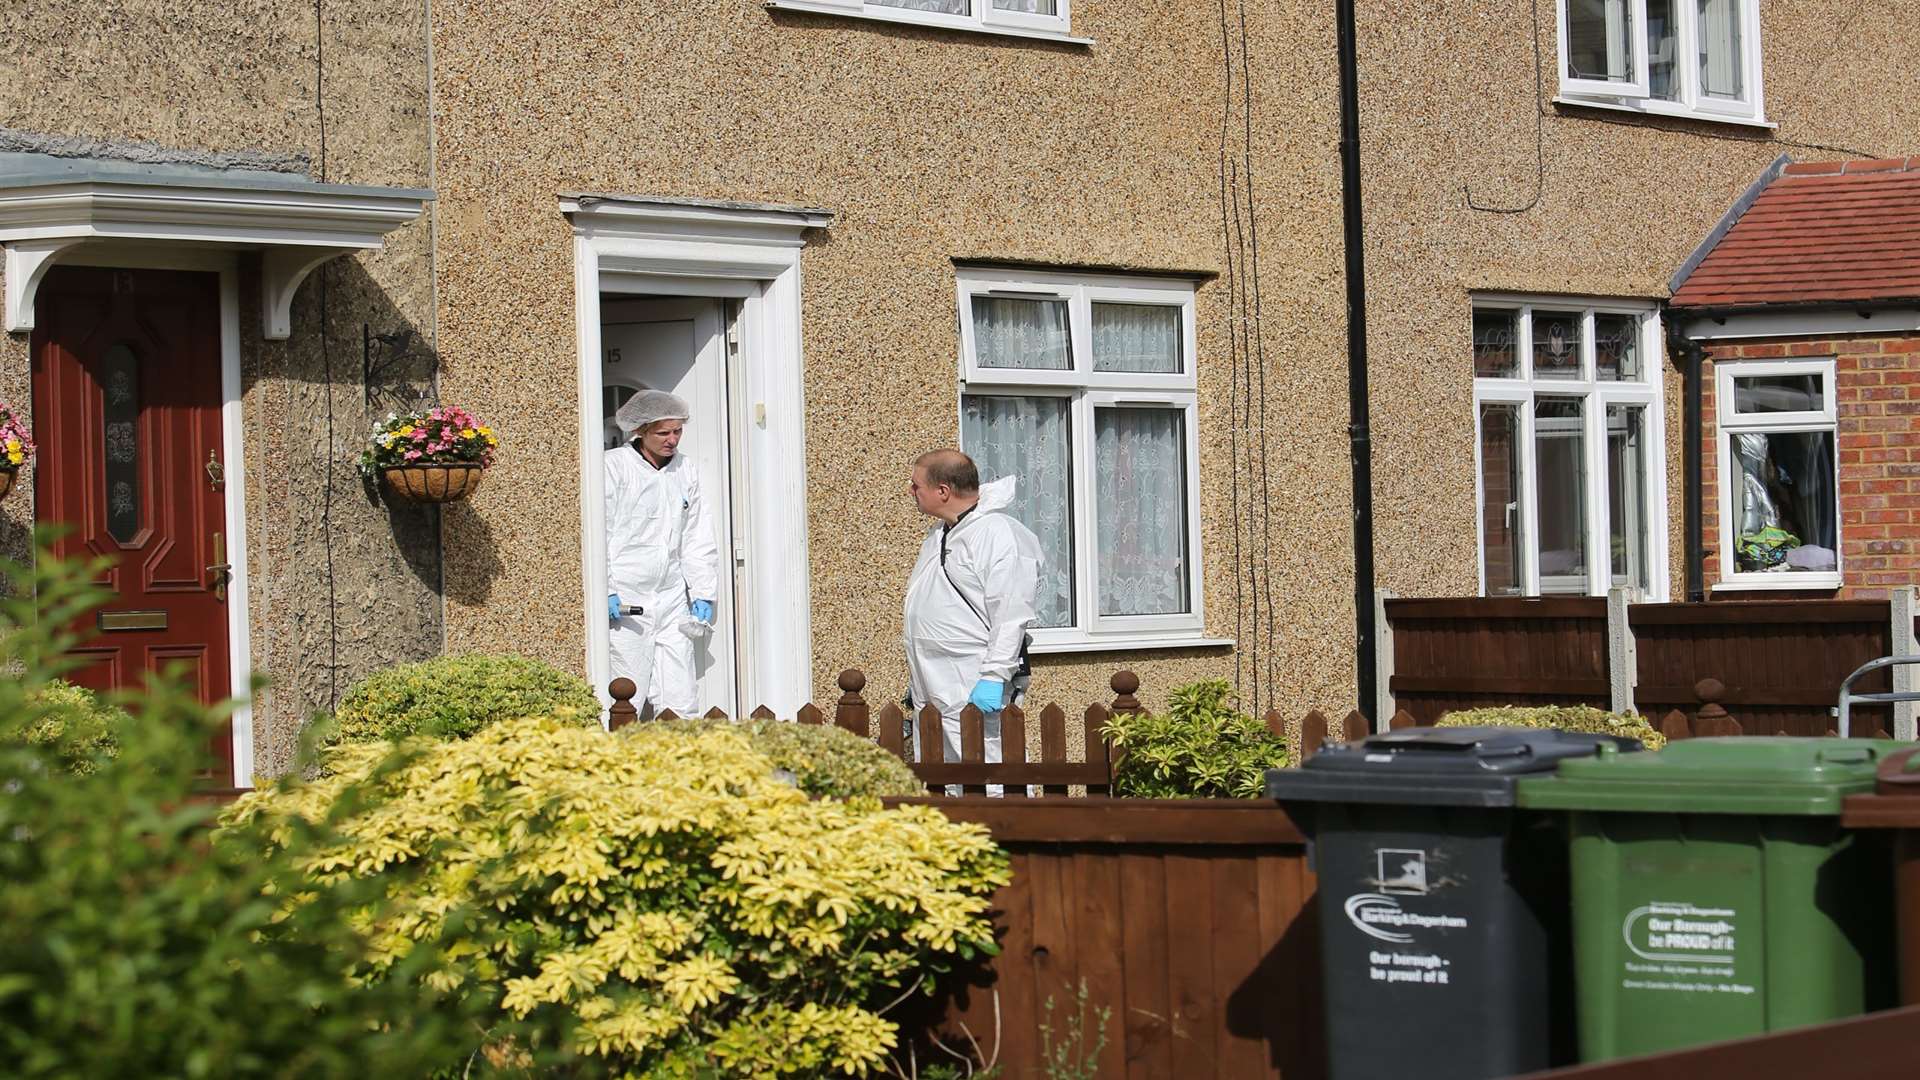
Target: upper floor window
(1024,18)
(1571,477)
(1779,508)
(1083,387)
(1686,57)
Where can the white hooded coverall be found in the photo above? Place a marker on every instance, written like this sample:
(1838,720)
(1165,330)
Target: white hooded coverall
(661,554)
(970,622)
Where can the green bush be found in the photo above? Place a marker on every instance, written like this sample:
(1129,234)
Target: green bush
(81,730)
(1202,747)
(826,762)
(1565,717)
(453,697)
(133,945)
(656,901)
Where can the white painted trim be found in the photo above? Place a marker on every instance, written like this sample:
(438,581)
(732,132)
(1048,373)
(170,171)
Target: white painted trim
(640,246)
(1002,23)
(233,455)
(41,224)
(1781,582)
(1691,103)
(1842,320)
(1653,107)
(1123,642)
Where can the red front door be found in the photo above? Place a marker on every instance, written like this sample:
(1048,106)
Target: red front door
(126,408)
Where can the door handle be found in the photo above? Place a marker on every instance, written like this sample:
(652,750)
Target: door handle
(216,472)
(221,570)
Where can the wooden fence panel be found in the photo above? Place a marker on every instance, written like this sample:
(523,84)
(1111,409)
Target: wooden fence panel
(1453,654)
(1191,921)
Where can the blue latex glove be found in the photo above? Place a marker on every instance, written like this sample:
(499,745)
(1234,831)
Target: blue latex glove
(613,607)
(988,694)
(702,610)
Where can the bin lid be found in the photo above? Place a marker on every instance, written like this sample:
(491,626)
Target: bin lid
(1463,766)
(1729,775)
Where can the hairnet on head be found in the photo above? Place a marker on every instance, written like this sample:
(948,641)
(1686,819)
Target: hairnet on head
(647,406)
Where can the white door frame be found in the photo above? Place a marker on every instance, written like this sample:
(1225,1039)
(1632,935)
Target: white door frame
(233,456)
(662,247)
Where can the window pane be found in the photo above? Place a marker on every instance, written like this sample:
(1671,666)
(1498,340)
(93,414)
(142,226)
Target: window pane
(945,7)
(1030,335)
(1627,494)
(1616,347)
(1136,337)
(1029,437)
(1500,521)
(1598,33)
(1556,345)
(1031,7)
(1783,502)
(1561,489)
(1140,492)
(120,408)
(1663,48)
(1722,75)
(1496,336)
(1779,393)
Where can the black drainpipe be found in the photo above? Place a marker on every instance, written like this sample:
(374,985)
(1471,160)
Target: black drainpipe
(1358,424)
(1688,353)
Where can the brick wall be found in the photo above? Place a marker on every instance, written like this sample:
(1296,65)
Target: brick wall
(1877,459)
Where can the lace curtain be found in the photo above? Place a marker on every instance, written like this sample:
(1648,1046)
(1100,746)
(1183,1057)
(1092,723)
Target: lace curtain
(1029,335)
(1028,437)
(1139,481)
(944,7)
(1031,7)
(1720,56)
(1136,338)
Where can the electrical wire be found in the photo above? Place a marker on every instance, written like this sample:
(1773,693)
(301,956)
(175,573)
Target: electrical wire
(1233,353)
(326,360)
(1260,347)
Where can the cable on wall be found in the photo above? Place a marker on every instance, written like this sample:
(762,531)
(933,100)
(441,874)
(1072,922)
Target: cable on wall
(326,360)
(1539,133)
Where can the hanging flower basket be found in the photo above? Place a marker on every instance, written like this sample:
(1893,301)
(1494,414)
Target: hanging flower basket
(16,446)
(435,455)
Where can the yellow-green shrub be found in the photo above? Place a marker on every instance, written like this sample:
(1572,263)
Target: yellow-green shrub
(451,697)
(825,761)
(73,722)
(1565,717)
(654,899)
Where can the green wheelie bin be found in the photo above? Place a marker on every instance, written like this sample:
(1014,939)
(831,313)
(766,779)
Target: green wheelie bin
(1715,893)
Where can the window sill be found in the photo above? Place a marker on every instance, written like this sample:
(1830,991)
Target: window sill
(913,19)
(1128,643)
(1667,114)
(1779,583)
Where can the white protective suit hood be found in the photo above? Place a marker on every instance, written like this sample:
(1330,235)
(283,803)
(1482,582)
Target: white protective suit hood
(968,621)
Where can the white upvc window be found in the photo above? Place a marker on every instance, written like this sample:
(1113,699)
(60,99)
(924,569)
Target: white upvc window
(1569,447)
(1083,386)
(1697,58)
(1021,18)
(1779,491)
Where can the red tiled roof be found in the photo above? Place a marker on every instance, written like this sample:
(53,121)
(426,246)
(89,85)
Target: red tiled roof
(1821,231)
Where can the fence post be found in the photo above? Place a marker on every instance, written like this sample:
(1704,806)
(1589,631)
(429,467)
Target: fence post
(1383,703)
(1124,685)
(1623,661)
(622,712)
(1901,643)
(850,712)
(1713,717)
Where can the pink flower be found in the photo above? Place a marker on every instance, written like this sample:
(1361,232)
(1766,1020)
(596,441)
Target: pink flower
(411,455)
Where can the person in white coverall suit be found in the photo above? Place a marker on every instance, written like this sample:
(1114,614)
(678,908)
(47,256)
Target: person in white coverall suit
(661,554)
(970,601)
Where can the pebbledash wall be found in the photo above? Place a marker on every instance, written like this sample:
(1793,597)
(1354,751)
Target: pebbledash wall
(341,584)
(1876,456)
(928,145)
(1478,181)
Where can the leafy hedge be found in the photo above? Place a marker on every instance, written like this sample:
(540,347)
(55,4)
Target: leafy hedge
(454,697)
(81,730)
(655,900)
(1565,717)
(825,761)
(1202,747)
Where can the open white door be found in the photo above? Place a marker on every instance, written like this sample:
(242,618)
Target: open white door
(679,345)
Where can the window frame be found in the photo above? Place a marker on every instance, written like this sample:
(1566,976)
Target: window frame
(1691,102)
(1523,390)
(983,17)
(1089,391)
(1728,422)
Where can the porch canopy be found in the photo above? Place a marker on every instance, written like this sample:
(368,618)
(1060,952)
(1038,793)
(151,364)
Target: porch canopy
(53,207)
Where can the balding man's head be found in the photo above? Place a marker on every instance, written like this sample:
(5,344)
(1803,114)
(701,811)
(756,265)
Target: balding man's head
(950,467)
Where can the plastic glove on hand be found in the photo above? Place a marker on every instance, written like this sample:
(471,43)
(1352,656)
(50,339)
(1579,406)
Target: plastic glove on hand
(702,610)
(988,695)
(613,607)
